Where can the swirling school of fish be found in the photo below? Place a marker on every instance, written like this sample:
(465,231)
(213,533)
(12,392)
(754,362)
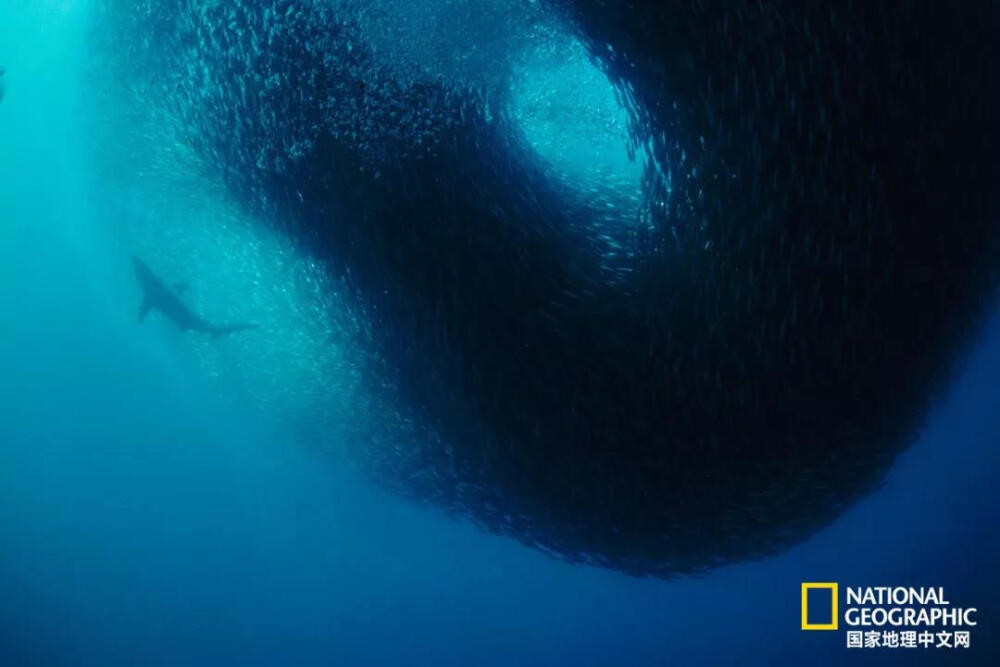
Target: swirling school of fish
(709,382)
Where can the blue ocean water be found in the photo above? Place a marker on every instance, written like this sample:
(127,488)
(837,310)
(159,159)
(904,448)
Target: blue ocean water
(166,500)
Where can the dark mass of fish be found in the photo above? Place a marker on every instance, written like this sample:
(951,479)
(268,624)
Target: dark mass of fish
(817,246)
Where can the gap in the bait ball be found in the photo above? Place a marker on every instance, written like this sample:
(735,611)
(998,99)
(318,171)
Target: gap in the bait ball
(572,118)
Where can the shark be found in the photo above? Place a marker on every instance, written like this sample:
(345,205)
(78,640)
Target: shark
(157,295)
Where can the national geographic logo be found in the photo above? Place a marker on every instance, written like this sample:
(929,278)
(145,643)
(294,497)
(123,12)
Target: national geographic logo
(824,611)
(905,617)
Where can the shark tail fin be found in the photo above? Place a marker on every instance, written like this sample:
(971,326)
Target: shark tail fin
(216,332)
(144,308)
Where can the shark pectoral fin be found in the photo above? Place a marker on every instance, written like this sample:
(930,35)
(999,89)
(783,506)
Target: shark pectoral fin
(144,309)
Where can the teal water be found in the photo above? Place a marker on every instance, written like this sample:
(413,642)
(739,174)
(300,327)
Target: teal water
(169,500)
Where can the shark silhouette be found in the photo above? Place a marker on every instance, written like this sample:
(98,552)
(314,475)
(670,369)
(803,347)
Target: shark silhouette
(157,295)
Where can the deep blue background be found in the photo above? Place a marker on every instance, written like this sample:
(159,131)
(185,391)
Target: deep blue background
(147,518)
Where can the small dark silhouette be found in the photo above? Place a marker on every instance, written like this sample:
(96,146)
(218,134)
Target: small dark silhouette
(157,295)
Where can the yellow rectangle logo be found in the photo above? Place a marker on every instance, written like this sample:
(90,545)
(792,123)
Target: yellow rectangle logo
(808,586)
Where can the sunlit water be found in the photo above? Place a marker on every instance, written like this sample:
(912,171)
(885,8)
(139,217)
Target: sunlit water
(165,499)
(573,118)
